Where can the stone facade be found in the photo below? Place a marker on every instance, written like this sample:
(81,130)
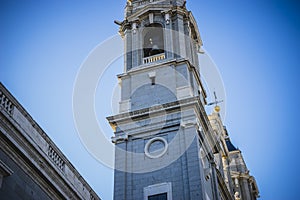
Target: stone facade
(167,147)
(31,166)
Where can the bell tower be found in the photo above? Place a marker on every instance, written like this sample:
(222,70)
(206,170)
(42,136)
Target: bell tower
(155,30)
(163,142)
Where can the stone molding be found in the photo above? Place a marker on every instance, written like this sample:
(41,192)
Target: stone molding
(151,141)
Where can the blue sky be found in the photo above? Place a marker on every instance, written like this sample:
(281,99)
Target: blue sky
(254,44)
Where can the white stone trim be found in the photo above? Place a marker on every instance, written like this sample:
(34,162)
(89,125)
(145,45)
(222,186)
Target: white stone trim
(188,123)
(152,74)
(119,138)
(147,146)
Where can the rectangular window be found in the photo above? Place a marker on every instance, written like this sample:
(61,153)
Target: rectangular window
(162,196)
(160,191)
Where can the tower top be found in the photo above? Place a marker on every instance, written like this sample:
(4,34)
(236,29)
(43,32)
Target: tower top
(164,28)
(138,7)
(143,2)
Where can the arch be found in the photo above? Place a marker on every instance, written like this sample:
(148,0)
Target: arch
(153,40)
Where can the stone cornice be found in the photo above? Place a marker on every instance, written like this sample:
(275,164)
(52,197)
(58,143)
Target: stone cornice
(181,105)
(125,117)
(193,21)
(146,9)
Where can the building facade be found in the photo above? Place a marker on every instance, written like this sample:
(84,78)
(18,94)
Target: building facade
(166,145)
(31,165)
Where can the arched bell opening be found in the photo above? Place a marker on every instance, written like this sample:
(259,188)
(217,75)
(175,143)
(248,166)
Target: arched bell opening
(153,41)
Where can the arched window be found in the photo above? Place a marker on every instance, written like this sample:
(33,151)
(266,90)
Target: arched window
(153,42)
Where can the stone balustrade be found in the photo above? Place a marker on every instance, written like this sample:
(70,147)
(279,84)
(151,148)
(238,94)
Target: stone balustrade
(6,104)
(154,58)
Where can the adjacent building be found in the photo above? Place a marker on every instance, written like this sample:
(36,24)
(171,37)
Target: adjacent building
(231,165)
(31,165)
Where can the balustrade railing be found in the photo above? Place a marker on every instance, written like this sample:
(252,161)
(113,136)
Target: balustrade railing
(140,3)
(5,103)
(56,158)
(154,58)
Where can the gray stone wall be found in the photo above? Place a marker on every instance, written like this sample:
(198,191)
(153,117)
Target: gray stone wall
(149,95)
(183,174)
(19,186)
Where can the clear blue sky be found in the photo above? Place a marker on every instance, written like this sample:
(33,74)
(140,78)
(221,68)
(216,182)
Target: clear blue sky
(255,45)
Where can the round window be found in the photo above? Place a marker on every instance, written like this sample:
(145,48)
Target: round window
(156,147)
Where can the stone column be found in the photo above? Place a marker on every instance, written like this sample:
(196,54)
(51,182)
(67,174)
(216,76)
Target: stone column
(169,51)
(128,50)
(137,40)
(181,37)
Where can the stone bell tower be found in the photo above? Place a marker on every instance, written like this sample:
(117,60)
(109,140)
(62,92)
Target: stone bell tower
(164,146)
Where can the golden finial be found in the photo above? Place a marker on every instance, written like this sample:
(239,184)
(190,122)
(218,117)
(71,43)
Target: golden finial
(217,108)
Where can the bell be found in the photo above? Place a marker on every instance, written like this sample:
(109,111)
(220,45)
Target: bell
(155,47)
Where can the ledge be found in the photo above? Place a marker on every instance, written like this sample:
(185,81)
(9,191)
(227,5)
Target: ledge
(4,169)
